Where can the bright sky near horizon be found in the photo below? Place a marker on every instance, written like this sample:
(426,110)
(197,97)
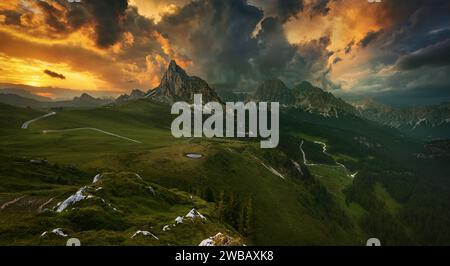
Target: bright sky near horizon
(393,48)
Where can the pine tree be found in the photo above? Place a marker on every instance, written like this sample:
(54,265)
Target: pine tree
(242,227)
(249,218)
(231,210)
(221,208)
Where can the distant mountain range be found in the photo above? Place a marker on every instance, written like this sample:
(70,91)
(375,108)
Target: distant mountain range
(48,94)
(83,101)
(398,117)
(273,90)
(430,122)
(134,95)
(315,100)
(17,90)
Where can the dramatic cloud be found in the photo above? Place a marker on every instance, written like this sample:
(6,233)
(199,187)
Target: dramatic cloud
(12,17)
(353,47)
(274,50)
(217,36)
(109,16)
(370,37)
(311,62)
(107,42)
(434,55)
(52,16)
(320,7)
(349,47)
(336,60)
(54,74)
(61,18)
(283,10)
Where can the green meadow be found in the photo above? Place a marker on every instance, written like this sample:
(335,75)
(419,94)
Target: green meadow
(256,196)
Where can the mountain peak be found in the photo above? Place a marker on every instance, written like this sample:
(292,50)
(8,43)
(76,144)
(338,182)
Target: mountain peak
(306,86)
(137,93)
(173,64)
(85,96)
(174,68)
(314,99)
(273,90)
(177,85)
(275,82)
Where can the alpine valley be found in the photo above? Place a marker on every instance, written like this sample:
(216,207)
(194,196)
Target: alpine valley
(109,172)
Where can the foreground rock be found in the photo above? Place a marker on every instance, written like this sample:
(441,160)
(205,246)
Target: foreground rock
(221,240)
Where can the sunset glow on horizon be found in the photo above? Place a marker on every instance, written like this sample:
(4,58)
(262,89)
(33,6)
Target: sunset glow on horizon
(117,46)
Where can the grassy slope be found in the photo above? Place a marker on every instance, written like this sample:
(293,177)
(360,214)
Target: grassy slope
(285,210)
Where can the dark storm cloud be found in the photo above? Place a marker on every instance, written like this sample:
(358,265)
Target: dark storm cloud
(52,16)
(274,50)
(311,63)
(77,16)
(349,47)
(12,17)
(337,60)
(281,9)
(217,36)
(320,7)
(370,37)
(435,55)
(144,43)
(411,23)
(428,94)
(285,9)
(109,17)
(105,16)
(410,62)
(54,74)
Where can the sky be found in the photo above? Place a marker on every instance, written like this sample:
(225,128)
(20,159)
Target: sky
(395,50)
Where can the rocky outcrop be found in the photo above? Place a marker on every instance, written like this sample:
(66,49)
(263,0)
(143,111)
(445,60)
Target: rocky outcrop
(177,85)
(134,95)
(315,100)
(273,90)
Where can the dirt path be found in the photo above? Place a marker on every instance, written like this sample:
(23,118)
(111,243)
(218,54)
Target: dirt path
(268,167)
(27,123)
(7,204)
(324,151)
(44,204)
(305,161)
(91,128)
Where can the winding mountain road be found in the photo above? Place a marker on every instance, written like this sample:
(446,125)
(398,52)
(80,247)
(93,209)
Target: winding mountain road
(324,151)
(90,128)
(27,123)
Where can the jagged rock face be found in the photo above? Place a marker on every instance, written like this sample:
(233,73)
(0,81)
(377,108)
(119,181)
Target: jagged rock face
(370,103)
(177,85)
(273,90)
(86,99)
(404,117)
(134,95)
(315,100)
(137,94)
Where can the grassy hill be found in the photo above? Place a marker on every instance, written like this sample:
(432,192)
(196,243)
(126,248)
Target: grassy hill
(264,197)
